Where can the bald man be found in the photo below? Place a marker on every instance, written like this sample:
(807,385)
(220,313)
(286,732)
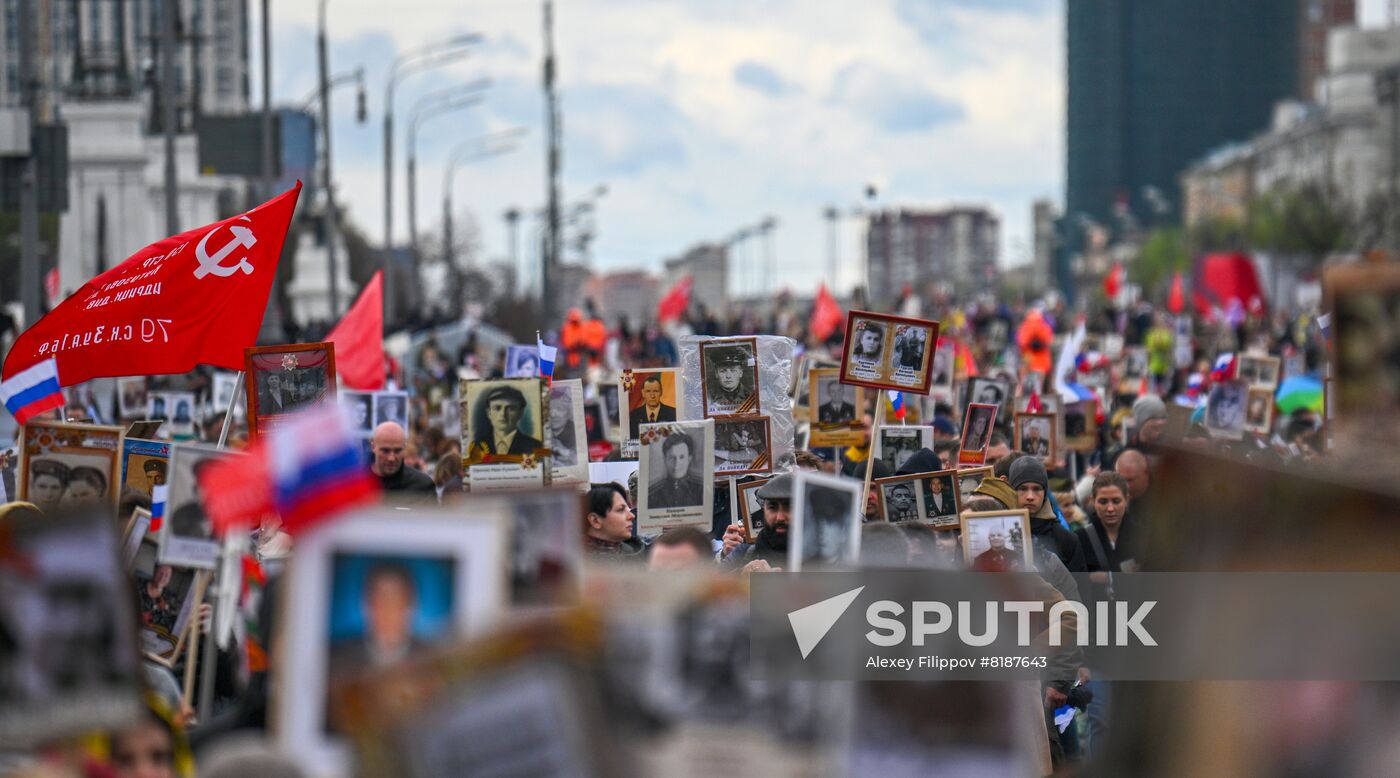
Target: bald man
(387,445)
(1133,536)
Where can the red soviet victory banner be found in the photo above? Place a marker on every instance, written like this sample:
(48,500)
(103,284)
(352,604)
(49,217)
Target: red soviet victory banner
(193,298)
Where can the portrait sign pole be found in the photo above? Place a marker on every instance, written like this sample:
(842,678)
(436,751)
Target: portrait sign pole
(734,505)
(870,451)
(194,627)
(209,657)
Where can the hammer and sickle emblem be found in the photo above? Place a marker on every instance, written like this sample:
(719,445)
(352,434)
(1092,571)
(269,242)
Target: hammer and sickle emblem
(213,264)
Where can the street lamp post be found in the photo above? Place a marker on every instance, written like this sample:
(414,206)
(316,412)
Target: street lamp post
(432,55)
(472,150)
(430,105)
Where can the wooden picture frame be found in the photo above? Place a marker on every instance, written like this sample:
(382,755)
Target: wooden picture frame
(743,516)
(266,400)
(860,366)
(834,427)
(1259,397)
(976,454)
(54,452)
(923,497)
(1051,448)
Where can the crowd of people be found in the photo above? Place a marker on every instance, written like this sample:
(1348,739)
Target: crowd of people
(1143,378)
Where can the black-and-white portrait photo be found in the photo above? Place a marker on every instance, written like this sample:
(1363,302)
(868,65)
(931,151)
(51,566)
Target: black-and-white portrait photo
(1225,409)
(868,342)
(977,426)
(827,522)
(900,500)
(568,436)
(677,480)
(187,534)
(156,406)
(131,396)
(505,417)
(284,391)
(910,343)
(391,406)
(895,445)
(224,387)
(729,374)
(69,466)
(969,480)
(742,445)
(1260,410)
(361,409)
(986,390)
(546,551)
(1035,434)
(522,361)
(836,406)
(943,360)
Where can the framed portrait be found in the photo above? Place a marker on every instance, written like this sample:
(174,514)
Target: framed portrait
(1259,370)
(132,536)
(968,480)
(978,423)
(546,546)
(838,409)
(749,509)
(944,364)
(284,379)
(1081,426)
(930,498)
(743,444)
(1053,404)
(360,407)
(988,391)
(1035,435)
(889,352)
(1135,362)
(166,600)
(894,445)
(568,434)
(1225,409)
(503,434)
(997,541)
(1259,410)
(181,407)
(223,390)
(186,533)
(391,406)
(825,521)
(595,420)
(131,396)
(522,361)
(729,376)
(69,465)
(608,394)
(71,660)
(676,476)
(145,465)
(157,406)
(646,397)
(370,590)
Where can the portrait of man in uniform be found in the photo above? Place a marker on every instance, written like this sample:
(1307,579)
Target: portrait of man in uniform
(679,485)
(729,374)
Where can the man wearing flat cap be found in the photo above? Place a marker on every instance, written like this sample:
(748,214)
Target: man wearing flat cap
(48,480)
(729,382)
(497,424)
(769,549)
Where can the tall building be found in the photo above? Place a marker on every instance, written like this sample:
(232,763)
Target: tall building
(954,247)
(1154,85)
(1318,18)
(109,48)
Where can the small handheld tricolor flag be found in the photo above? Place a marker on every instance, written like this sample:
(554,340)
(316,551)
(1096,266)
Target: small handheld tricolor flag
(897,403)
(158,495)
(32,391)
(1224,369)
(547,354)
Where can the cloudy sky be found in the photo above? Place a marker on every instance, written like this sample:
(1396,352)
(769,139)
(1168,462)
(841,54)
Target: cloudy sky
(703,116)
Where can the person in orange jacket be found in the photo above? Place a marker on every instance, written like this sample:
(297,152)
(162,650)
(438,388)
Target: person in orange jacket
(1034,338)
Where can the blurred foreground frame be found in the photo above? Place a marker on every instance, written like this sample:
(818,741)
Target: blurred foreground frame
(1211,513)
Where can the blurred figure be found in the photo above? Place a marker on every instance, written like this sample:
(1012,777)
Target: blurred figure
(682,548)
(607,526)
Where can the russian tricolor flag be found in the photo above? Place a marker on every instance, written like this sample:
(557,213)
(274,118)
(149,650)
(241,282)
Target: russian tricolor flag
(897,403)
(1224,369)
(158,495)
(547,354)
(32,391)
(316,467)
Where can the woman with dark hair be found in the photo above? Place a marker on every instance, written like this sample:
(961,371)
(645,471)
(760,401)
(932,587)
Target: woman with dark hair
(607,525)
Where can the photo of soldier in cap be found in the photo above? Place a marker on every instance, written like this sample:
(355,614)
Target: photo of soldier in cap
(63,465)
(729,376)
(675,471)
(504,420)
(145,464)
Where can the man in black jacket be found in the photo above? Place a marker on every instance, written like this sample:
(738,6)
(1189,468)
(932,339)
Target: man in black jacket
(769,550)
(387,446)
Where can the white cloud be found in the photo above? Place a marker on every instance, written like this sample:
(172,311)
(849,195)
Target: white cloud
(654,109)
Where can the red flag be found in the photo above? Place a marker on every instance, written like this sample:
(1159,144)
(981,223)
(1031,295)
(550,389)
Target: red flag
(676,301)
(826,315)
(237,490)
(197,297)
(1033,405)
(359,339)
(1176,300)
(1221,279)
(1113,282)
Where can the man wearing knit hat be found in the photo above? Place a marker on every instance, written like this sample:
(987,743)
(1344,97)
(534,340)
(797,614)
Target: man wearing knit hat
(1028,477)
(1149,420)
